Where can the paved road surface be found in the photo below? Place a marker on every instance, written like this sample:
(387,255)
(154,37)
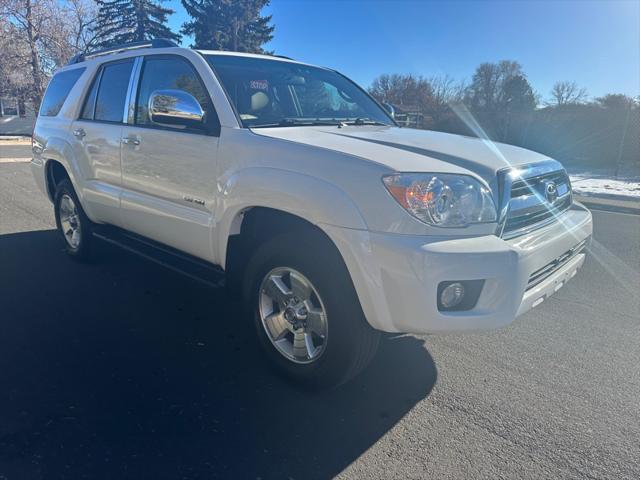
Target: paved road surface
(16,125)
(13,150)
(124,370)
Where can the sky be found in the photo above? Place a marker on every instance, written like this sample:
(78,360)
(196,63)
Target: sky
(594,43)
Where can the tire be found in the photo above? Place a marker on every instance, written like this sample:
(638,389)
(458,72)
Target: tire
(349,342)
(73,224)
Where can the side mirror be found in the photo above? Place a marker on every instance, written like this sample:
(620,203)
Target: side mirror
(390,110)
(175,107)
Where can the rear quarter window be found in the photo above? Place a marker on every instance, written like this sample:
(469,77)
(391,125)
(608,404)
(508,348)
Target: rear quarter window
(58,90)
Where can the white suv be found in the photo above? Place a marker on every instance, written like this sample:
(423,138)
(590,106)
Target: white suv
(330,220)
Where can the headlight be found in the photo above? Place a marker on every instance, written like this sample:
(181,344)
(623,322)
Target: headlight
(444,200)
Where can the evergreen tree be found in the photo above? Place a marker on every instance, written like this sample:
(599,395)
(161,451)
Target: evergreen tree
(518,95)
(124,21)
(234,25)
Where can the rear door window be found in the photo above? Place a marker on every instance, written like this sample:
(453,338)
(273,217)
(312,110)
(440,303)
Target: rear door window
(58,91)
(112,91)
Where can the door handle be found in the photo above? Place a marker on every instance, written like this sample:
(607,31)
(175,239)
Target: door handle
(79,133)
(130,141)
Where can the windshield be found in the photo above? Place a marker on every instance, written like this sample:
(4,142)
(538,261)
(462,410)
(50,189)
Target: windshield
(270,93)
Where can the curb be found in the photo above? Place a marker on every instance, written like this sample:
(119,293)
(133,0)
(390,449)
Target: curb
(610,205)
(15,160)
(8,138)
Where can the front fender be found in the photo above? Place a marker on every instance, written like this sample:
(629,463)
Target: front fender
(317,201)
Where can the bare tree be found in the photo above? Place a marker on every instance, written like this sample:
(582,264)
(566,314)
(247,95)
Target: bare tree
(567,93)
(29,18)
(13,81)
(403,90)
(42,35)
(82,15)
(485,85)
(445,90)
(491,88)
(72,33)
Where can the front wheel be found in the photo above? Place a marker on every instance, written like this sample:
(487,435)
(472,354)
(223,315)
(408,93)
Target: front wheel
(306,311)
(73,224)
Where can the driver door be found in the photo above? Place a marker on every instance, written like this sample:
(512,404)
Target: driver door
(169,171)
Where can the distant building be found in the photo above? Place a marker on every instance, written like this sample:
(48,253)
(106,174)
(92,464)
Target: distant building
(16,117)
(409,116)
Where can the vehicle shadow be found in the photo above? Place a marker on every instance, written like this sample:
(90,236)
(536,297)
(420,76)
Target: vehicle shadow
(123,369)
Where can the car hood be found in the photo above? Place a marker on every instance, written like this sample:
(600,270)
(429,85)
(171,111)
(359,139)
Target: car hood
(409,150)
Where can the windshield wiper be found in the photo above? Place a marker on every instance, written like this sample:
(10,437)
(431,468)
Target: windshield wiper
(363,121)
(299,122)
(304,122)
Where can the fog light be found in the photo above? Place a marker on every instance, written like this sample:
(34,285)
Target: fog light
(458,295)
(452,295)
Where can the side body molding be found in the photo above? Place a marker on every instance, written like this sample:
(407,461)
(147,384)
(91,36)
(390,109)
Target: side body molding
(315,200)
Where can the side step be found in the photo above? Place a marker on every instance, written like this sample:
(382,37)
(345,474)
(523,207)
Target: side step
(168,257)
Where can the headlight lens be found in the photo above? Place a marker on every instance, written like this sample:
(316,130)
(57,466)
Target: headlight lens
(444,200)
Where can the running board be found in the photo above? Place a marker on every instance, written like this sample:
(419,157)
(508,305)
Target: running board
(168,257)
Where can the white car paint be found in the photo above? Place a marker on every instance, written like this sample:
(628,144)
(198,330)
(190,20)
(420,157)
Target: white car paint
(329,176)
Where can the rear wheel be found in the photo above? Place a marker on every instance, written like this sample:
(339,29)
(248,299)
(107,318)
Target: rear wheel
(73,224)
(306,312)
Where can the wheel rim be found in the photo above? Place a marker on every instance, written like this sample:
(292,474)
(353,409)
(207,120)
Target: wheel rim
(69,221)
(293,315)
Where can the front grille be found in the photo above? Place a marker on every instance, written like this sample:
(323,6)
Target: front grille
(537,196)
(528,186)
(522,221)
(550,268)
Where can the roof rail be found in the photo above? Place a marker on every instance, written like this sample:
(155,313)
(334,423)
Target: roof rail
(281,56)
(155,43)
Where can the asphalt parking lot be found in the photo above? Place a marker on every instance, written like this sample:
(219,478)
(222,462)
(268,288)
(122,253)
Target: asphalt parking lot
(121,369)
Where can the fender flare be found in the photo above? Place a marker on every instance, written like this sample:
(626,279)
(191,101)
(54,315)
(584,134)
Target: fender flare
(62,152)
(310,198)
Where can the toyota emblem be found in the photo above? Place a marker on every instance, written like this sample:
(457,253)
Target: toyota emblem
(551,191)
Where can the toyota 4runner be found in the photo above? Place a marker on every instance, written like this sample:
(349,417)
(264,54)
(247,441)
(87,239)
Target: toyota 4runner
(330,221)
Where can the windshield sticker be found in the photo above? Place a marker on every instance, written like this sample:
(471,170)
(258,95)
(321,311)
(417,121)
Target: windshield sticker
(259,85)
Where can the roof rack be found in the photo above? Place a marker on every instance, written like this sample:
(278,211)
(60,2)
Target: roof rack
(155,43)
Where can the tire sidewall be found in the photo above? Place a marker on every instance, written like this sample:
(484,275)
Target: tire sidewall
(332,283)
(65,188)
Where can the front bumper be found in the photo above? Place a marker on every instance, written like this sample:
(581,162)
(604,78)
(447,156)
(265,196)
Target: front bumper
(397,276)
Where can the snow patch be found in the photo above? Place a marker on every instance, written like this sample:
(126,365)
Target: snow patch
(596,185)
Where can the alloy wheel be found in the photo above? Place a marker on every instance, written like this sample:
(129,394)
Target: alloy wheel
(70,221)
(293,315)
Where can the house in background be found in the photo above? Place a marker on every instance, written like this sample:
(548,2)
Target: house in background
(16,117)
(409,116)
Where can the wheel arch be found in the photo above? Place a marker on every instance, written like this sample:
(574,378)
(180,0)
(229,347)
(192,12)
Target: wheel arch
(294,198)
(55,172)
(256,225)
(59,157)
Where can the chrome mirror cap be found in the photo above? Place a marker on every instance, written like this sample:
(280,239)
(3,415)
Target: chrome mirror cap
(175,107)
